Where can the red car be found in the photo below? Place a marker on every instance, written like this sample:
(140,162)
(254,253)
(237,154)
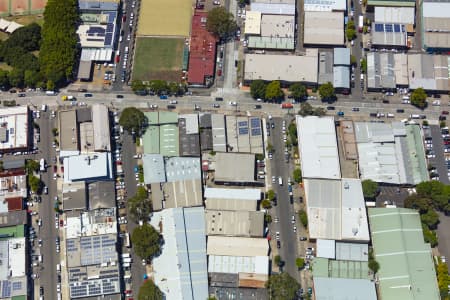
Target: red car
(444,112)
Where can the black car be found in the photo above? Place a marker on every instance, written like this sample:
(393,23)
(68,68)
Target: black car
(219,99)
(88,95)
(331,108)
(303,238)
(171,106)
(258,106)
(41,291)
(21,94)
(119,96)
(400,111)
(385,101)
(278,244)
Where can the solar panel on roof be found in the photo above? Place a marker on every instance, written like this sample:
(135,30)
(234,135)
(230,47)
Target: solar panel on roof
(109,27)
(243,130)
(6,289)
(17,286)
(256,131)
(388,27)
(108,39)
(379,27)
(242,123)
(396,28)
(403,28)
(255,123)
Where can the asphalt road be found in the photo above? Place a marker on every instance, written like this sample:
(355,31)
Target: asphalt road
(356,50)
(48,232)
(284,209)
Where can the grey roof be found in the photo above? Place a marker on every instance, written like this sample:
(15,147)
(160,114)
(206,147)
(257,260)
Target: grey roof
(93,281)
(341,56)
(13,164)
(84,70)
(324,28)
(235,167)
(380,70)
(398,15)
(352,251)
(219,139)
(3,134)
(182,168)
(68,130)
(389,35)
(154,170)
(205,120)
(325,67)
(101,194)
(428,71)
(436,24)
(344,289)
(206,139)
(84,114)
(181,193)
(234,223)
(13,218)
(74,196)
(341,77)
(189,142)
(100,122)
(93,166)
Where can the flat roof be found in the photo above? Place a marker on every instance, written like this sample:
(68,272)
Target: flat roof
(273,8)
(397,3)
(268,42)
(74,195)
(324,28)
(326,248)
(341,77)
(380,70)
(68,130)
(341,56)
(237,246)
(343,289)
(100,123)
(428,71)
(352,251)
(400,250)
(244,134)
(234,223)
(82,277)
(182,168)
(94,166)
(14,122)
(234,167)
(150,140)
(290,68)
(168,140)
(154,170)
(330,268)
(101,194)
(84,69)
(182,193)
(339,203)
(278,26)
(253,22)
(318,147)
(325,67)
(219,138)
(180,271)
(397,15)
(232,199)
(385,34)
(91,250)
(189,135)
(435,25)
(238,264)
(320,5)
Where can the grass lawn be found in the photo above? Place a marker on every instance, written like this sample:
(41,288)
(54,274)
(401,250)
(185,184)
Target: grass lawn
(158,58)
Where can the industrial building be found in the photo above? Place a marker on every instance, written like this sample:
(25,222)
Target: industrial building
(158,168)
(237,246)
(395,15)
(235,169)
(318,147)
(391,153)
(336,210)
(430,72)
(162,134)
(386,35)
(189,135)
(15,131)
(180,272)
(386,71)
(232,199)
(317,5)
(324,28)
(234,223)
(88,167)
(435,25)
(74,196)
(219,138)
(341,69)
(406,262)
(344,288)
(244,134)
(371,4)
(285,68)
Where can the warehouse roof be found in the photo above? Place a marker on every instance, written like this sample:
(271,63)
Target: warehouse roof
(397,15)
(330,268)
(68,130)
(380,70)
(341,77)
(352,251)
(324,28)
(318,147)
(428,71)
(436,24)
(234,223)
(343,289)
(253,22)
(218,133)
(237,246)
(273,8)
(238,264)
(181,193)
(84,69)
(341,56)
(101,194)
(95,166)
(400,250)
(397,3)
(325,67)
(14,122)
(384,34)
(100,123)
(232,199)
(181,269)
(324,5)
(74,196)
(289,68)
(234,167)
(244,134)
(154,170)
(182,168)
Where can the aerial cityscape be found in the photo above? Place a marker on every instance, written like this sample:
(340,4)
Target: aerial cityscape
(224,149)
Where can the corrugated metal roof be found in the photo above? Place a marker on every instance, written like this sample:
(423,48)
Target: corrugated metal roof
(237,246)
(238,264)
(100,122)
(274,8)
(352,251)
(343,289)
(341,77)
(341,56)
(154,171)
(326,248)
(397,15)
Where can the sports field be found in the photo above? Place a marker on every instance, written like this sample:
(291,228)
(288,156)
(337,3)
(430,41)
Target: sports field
(158,58)
(165,18)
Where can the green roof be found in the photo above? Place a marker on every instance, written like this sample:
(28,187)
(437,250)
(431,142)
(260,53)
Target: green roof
(323,267)
(406,263)
(161,136)
(152,117)
(168,140)
(150,140)
(13,231)
(416,154)
(22,297)
(168,117)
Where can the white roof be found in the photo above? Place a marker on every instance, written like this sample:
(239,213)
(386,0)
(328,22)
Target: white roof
(4,24)
(96,54)
(318,147)
(100,122)
(237,246)
(336,209)
(438,9)
(253,22)
(238,264)
(191,123)
(17,257)
(324,28)
(397,15)
(13,26)
(344,289)
(16,120)
(291,68)
(88,166)
(325,5)
(238,194)
(274,8)
(326,248)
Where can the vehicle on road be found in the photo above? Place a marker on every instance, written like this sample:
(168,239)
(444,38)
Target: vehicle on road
(287,106)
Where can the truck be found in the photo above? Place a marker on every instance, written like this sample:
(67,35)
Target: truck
(287,106)
(360,23)
(42,165)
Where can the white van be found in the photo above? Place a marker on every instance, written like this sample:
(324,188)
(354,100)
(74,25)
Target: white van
(390,115)
(58,268)
(126,49)
(280,180)
(50,93)
(44,107)
(414,116)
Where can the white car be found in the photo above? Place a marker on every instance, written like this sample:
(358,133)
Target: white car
(277,235)
(173,102)
(233,103)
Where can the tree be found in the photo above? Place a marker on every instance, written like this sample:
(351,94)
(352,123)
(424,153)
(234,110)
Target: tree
(268,219)
(149,291)
(430,218)
(306,109)
(139,206)
(137,85)
(303,218)
(50,85)
(27,37)
(273,91)
(258,89)
(34,182)
(159,86)
(55,131)
(429,236)
(173,88)
(133,120)
(298,91)
(297,175)
(417,202)
(277,260)
(221,23)
(31,78)
(282,286)
(350,34)
(363,65)
(300,262)
(270,195)
(374,265)
(16,77)
(146,241)
(266,204)
(353,60)
(326,91)
(418,98)
(292,130)
(4,80)
(269,147)
(319,111)
(370,189)
(31,166)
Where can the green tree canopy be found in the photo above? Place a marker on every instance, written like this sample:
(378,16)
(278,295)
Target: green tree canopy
(146,241)
(137,85)
(221,23)
(16,77)
(273,91)
(374,265)
(159,86)
(303,218)
(364,65)
(292,130)
(266,204)
(149,291)
(429,236)
(300,262)
(270,195)
(418,98)
(133,120)
(34,182)
(350,34)
(139,206)
(258,89)
(31,166)
(326,91)
(417,202)
(298,91)
(370,189)
(297,175)
(306,109)
(282,286)
(27,37)
(430,218)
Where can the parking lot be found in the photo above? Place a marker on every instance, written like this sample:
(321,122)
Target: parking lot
(437,150)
